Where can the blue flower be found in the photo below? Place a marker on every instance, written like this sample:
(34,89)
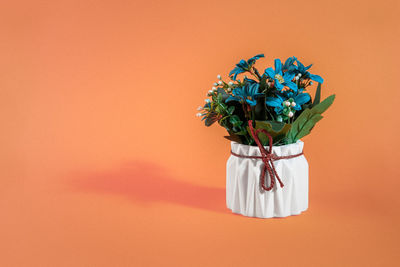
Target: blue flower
(305,74)
(244,66)
(247,93)
(291,97)
(289,65)
(275,102)
(300,99)
(281,79)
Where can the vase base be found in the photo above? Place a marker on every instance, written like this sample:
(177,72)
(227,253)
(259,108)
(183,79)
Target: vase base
(267,217)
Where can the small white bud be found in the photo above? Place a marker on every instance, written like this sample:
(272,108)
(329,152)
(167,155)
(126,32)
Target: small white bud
(207,100)
(219,77)
(215,84)
(299,75)
(199,108)
(290,114)
(220,82)
(214,88)
(199,114)
(210,91)
(297,78)
(293,104)
(229,90)
(286,103)
(230,83)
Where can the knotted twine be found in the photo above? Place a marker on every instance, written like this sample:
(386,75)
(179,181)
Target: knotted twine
(267,157)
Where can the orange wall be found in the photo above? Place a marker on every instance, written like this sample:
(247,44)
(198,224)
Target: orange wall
(103,162)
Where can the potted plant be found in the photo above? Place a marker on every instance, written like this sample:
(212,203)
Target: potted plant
(266,116)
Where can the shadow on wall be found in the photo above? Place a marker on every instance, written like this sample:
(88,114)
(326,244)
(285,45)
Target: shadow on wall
(146,182)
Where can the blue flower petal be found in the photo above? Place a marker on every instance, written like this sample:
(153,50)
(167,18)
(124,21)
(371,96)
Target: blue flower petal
(251,102)
(278,66)
(242,64)
(316,78)
(288,76)
(238,92)
(278,85)
(253,88)
(249,80)
(232,98)
(236,71)
(292,69)
(278,110)
(291,85)
(270,72)
(289,62)
(301,67)
(297,107)
(233,71)
(252,60)
(273,102)
(301,99)
(258,56)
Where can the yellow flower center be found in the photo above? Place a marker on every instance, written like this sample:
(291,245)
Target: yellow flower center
(279,78)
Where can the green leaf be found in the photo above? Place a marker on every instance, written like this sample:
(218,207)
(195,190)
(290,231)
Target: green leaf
(242,132)
(305,125)
(235,120)
(222,94)
(277,130)
(317,97)
(276,125)
(231,109)
(324,105)
(307,120)
(209,121)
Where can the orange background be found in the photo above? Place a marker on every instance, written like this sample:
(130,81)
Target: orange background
(103,162)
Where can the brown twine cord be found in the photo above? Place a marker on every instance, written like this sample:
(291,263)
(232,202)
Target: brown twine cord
(267,157)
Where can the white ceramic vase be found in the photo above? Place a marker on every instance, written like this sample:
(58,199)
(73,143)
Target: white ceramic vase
(244,194)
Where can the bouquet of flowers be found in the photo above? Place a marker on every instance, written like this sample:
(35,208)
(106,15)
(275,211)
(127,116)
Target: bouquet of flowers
(275,100)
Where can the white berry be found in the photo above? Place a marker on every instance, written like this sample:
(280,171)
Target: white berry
(230,83)
(287,103)
(199,108)
(198,114)
(299,74)
(220,82)
(207,100)
(219,77)
(293,104)
(290,114)
(215,84)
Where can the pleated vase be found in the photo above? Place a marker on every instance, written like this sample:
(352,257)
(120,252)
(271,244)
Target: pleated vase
(244,193)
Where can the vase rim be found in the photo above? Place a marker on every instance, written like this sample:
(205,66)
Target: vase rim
(283,146)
